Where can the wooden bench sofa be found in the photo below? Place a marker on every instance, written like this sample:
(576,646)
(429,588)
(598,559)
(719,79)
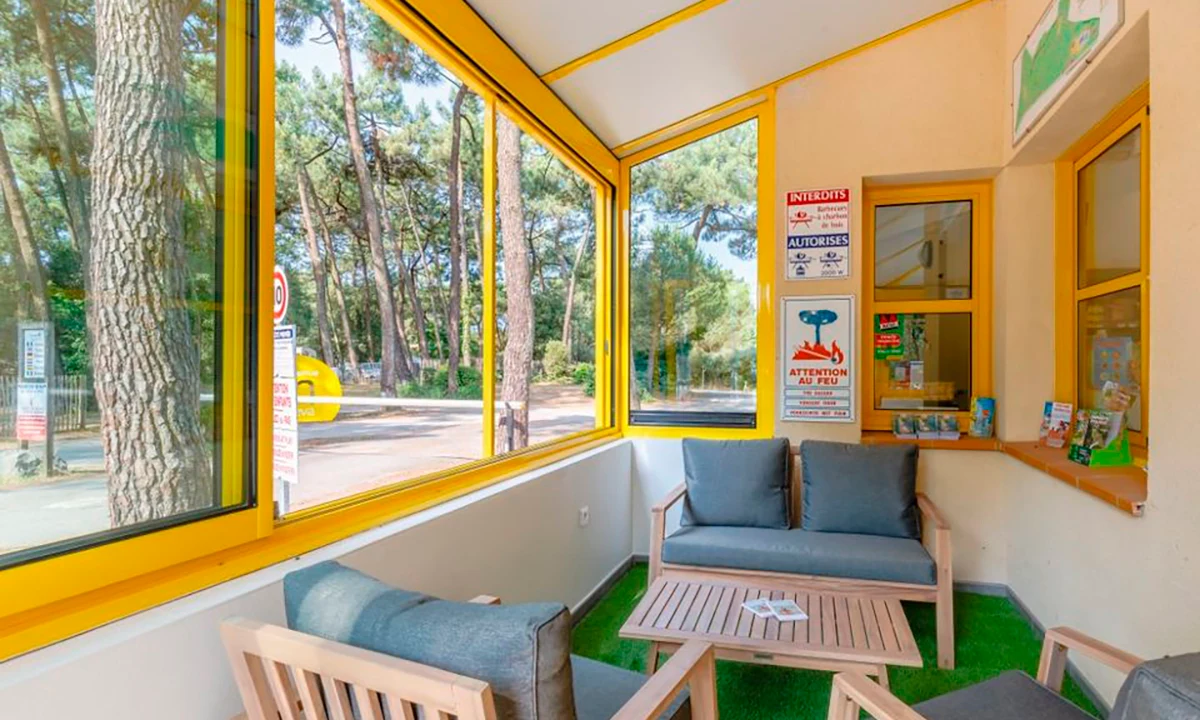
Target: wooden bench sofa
(935,585)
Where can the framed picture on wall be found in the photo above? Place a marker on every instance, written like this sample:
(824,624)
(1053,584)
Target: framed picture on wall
(1067,36)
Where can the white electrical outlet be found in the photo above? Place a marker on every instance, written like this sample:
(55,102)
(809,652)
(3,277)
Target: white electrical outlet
(585,516)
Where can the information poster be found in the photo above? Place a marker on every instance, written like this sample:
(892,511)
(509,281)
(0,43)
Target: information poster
(1059,47)
(818,370)
(32,411)
(818,234)
(286,435)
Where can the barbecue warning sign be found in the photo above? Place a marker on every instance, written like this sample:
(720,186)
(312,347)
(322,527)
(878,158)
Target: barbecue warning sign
(818,234)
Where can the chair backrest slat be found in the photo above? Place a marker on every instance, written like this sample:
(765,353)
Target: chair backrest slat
(280,674)
(797,487)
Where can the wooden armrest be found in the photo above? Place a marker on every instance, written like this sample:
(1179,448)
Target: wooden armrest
(1061,639)
(693,665)
(854,691)
(933,514)
(672,497)
(485,600)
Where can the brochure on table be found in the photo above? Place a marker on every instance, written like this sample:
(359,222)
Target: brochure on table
(817,363)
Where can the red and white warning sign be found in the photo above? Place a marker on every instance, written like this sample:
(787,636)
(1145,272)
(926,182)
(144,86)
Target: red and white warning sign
(31,411)
(280,304)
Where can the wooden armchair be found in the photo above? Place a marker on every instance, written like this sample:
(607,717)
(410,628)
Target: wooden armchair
(935,537)
(287,675)
(853,692)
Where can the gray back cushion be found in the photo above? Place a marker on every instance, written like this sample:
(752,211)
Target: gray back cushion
(522,651)
(1166,689)
(864,489)
(741,483)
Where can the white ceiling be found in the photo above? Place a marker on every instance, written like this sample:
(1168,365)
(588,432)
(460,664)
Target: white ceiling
(731,49)
(550,33)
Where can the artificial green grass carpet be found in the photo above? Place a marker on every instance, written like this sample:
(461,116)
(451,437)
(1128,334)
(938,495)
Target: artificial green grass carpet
(992,637)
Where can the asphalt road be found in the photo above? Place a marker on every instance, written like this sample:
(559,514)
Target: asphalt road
(350,455)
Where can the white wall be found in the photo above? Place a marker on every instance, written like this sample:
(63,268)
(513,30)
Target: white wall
(519,539)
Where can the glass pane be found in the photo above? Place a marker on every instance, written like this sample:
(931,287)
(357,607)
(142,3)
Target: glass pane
(378,229)
(1110,212)
(1110,350)
(923,361)
(923,251)
(694,275)
(545,294)
(110,297)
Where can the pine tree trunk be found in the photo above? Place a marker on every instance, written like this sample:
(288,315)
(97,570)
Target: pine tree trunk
(467,306)
(574,276)
(303,189)
(18,217)
(405,368)
(413,287)
(518,350)
(350,355)
(370,209)
(365,316)
(147,376)
(454,305)
(76,196)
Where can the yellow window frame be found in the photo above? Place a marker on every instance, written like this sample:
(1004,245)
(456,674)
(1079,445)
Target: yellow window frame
(764,112)
(1132,112)
(979,305)
(53,599)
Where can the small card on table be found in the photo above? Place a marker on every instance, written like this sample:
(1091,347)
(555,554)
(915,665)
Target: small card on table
(781,610)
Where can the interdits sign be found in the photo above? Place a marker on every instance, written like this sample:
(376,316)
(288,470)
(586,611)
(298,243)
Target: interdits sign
(818,239)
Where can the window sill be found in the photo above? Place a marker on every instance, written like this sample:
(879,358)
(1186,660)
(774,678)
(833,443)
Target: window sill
(963,443)
(1124,487)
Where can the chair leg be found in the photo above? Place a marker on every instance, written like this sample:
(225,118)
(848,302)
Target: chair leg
(882,676)
(945,627)
(652,659)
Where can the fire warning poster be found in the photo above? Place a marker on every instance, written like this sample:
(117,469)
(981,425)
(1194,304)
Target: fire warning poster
(818,370)
(818,234)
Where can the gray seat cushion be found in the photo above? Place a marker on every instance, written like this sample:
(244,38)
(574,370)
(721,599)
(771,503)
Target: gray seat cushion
(861,557)
(1011,696)
(1166,689)
(522,651)
(601,690)
(862,489)
(736,482)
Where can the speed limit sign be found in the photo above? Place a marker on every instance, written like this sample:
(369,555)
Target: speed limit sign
(280,306)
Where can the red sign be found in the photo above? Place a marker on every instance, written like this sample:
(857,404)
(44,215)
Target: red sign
(280,304)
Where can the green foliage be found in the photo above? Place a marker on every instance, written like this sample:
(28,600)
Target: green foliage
(584,375)
(555,363)
(470,386)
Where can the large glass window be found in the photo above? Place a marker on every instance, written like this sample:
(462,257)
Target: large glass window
(120,411)
(693,279)
(1111,259)
(382,236)
(545,293)
(927,330)
(379,230)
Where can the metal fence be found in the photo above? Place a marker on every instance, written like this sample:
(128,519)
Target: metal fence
(71,396)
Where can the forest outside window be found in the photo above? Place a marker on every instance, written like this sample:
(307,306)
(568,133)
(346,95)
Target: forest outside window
(927,322)
(693,281)
(415,316)
(1109,266)
(122,303)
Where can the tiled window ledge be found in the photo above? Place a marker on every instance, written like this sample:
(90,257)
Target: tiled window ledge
(1123,487)
(963,443)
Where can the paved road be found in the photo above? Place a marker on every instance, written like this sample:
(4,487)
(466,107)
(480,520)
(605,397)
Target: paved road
(337,459)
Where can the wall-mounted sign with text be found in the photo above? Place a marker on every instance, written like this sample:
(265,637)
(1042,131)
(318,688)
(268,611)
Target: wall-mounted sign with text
(818,371)
(818,234)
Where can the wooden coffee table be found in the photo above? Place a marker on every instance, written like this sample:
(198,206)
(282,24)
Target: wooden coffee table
(843,632)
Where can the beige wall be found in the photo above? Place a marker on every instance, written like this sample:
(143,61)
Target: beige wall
(934,104)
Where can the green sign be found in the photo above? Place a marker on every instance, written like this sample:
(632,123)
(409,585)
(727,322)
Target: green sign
(889,336)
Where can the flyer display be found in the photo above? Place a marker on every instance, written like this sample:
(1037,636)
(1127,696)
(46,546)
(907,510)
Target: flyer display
(818,234)
(286,435)
(818,370)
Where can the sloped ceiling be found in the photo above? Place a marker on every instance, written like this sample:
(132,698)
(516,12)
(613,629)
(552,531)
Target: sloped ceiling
(731,48)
